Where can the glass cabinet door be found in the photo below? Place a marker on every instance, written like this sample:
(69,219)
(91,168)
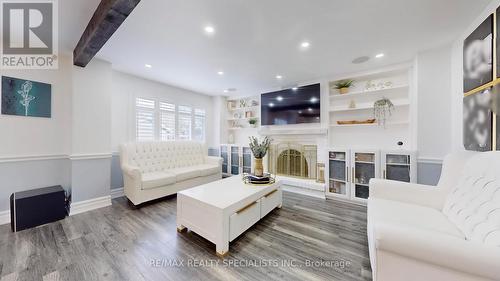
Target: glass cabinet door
(397,167)
(247,160)
(224,155)
(337,176)
(235,160)
(364,170)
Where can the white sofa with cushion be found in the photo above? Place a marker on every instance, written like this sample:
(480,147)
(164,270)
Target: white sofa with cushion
(448,232)
(153,170)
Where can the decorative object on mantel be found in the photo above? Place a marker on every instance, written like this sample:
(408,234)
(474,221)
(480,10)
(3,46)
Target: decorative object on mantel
(25,97)
(253,122)
(243,103)
(259,150)
(254,103)
(320,172)
(356,122)
(266,178)
(343,86)
(382,109)
(249,114)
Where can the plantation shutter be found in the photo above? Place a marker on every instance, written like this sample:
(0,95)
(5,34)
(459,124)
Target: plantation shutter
(145,119)
(185,120)
(199,125)
(167,121)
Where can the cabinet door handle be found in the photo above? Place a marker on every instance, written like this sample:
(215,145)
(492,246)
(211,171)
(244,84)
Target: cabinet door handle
(352,175)
(246,207)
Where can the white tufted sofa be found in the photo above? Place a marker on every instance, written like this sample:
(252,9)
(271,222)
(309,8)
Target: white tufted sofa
(448,232)
(153,170)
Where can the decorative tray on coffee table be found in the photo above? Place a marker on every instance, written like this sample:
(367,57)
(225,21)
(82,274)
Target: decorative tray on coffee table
(253,179)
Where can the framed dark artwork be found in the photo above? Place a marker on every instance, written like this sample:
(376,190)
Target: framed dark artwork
(478,121)
(26,98)
(478,56)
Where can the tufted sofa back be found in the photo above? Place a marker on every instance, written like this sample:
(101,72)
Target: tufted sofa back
(474,204)
(159,156)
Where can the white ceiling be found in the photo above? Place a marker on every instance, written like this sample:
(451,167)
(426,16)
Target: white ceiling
(74,15)
(256,40)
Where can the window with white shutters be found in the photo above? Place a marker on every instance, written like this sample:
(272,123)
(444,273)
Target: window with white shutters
(167,121)
(199,124)
(164,121)
(145,119)
(185,115)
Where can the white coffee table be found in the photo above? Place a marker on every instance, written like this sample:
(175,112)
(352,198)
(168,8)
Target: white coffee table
(222,210)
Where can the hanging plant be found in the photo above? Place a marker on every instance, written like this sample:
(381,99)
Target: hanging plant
(382,109)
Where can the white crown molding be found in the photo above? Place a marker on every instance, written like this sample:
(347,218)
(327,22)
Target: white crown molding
(5,217)
(90,156)
(430,160)
(8,159)
(117,192)
(89,205)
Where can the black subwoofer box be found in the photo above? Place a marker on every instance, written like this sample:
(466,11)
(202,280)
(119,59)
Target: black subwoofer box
(36,207)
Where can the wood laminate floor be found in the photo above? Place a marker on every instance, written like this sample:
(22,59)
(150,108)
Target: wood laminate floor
(308,239)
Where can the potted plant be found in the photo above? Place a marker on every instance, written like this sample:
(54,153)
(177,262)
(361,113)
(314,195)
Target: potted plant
(253,122)
(343,86)
(382,109)
(259,150)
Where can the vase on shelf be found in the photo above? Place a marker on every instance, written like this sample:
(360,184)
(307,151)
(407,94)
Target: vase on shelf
(343,91)
(259,169)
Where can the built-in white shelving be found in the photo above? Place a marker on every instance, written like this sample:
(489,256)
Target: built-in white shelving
(357,105)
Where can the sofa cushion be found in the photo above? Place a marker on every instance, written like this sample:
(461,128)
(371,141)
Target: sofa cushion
(185,173)
(157,179)
(397,213)
(207,169)
(474,204)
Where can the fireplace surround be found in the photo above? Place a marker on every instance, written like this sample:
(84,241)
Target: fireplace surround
(293,160)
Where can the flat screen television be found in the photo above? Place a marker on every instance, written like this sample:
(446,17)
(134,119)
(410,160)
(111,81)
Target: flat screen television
(291,106)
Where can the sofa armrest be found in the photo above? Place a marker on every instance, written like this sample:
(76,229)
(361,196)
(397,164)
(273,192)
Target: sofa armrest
(132,171)
(439,249)
(425,195)
(214,160)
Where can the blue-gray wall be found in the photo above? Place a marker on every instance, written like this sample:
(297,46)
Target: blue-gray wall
(428,173)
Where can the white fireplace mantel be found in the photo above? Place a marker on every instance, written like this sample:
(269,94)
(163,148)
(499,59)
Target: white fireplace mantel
(293,131)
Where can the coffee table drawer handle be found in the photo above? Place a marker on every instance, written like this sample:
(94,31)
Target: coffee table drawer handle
(270,193)
(246,207)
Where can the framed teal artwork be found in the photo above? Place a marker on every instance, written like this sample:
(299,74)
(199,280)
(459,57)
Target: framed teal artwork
(25,97)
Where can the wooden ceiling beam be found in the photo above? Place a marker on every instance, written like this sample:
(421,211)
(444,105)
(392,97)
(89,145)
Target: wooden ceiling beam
(107,18)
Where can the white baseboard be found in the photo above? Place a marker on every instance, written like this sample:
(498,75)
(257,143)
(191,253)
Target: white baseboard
(304,191)
(89,205)
(4,217)
(117,192)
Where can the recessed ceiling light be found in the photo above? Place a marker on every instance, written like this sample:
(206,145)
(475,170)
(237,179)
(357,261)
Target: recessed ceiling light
(209,29)
(225,91)
(271,104)
(279,98)
(381,55)
(305,44)
(295,88)
(279,77)
(148,65)
(220,72)
(314,99)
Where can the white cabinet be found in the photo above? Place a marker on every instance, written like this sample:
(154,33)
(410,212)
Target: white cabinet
(350,170)
(399,165)
(338,173)
(365,165)
(236,159)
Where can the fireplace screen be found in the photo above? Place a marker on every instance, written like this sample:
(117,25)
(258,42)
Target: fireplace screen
(293,160)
